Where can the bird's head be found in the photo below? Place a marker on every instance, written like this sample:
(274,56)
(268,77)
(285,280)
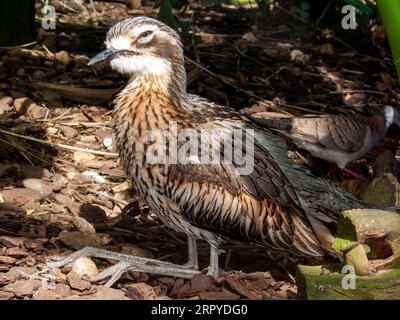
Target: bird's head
(144,47)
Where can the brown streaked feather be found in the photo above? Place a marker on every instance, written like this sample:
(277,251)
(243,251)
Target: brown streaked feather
(261,207)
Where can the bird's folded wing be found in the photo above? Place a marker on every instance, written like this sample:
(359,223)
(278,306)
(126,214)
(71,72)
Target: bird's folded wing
(261,206)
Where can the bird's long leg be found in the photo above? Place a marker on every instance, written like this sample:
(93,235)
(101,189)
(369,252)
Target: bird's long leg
(126,262)
(193,257)
(345,172)
(213,268)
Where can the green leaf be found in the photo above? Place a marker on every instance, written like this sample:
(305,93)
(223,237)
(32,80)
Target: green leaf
(165,13)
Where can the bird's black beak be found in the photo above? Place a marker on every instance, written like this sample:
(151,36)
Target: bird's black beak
(104,56)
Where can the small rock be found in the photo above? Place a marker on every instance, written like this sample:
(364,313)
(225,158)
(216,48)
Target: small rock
(77,240)
(37,185)
(215,295)
(62,291)
(7,260)
(23,287)
(39,75)
(36,112)
(82,157)
(327,49)
(202,282)
(384,191)
(93,214)
(140,291)
(45,294)
(88,139)
(17,252)
(10,241)
(6,100)
(68,132)
(83,225)
(63,56)
(60,277)
(21,72)
(102,293)
(34,243)
(5,104)
(76,282)
(61,198)
(59,181)
(35,172)
(6,295)
(21,196)
(299,56)
(21,104)
(84,266)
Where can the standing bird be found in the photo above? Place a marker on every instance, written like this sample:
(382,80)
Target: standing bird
(276,204)
(337,138)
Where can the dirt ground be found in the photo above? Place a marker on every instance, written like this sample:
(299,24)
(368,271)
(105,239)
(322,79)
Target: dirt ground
(55,198)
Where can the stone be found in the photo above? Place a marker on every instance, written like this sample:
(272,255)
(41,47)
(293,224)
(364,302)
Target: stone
(7,260)
(77,240)
(218,295)
(35,172)
(39,75)
(21,196)
(102,293)
(6,295)
(81,157)
(383,191)
(37,185)
(140,291)
(76,282)
(10,241)
(17,252)
(5,104)
(23,287)
(63,56)
(68,132)
(45,294)
(202,282)
(84,266)
(36,112)
(21,104)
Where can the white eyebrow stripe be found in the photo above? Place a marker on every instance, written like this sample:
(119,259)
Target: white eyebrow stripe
(120,43)
(146,27)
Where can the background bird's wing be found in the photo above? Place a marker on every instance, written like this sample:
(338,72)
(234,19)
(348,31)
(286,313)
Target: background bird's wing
(335,132)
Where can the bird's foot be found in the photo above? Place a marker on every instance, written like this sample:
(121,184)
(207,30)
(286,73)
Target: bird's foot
(126,263)
(190,265)
(213,272)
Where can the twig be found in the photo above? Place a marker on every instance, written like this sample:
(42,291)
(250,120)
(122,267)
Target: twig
(59,145)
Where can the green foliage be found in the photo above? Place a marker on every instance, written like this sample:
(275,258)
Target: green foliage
(303,10)
(165,13)
(365,9)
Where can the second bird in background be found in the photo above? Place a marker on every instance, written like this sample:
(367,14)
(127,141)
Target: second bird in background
(340,138)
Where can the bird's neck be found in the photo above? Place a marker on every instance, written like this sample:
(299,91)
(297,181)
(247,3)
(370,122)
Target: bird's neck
(148,103)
